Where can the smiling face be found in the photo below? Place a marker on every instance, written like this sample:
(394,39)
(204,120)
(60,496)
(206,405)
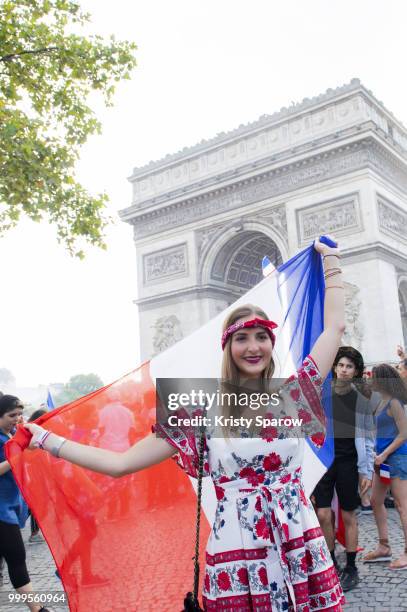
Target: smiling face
(251,350)
(10,419)
(345,369)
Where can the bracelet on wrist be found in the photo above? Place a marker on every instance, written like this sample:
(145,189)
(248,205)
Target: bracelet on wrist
(39,443)
(331,270)
(331,274)
(57,445)
(331,255)
(334,287)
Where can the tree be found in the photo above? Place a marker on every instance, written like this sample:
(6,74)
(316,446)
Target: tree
(47,72)
(78,386)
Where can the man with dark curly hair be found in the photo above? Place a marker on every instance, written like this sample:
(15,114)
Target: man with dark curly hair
(352,408)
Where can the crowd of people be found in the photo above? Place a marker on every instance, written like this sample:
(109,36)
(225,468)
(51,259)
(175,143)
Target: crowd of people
(370,437)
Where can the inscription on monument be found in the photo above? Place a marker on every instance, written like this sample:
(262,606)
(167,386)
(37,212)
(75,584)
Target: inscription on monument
(166,263)
(254,190)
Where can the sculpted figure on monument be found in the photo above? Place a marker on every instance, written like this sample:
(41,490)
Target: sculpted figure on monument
(353,335)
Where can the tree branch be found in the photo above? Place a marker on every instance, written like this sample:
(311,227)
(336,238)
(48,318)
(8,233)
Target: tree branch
(12,56)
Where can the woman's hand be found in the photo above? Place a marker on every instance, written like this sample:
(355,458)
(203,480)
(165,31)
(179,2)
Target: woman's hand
(324,249)
(36,432)
(400,352)
(379,459)
(364,484)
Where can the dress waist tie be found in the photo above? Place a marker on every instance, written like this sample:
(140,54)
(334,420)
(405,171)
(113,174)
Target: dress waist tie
(261,512)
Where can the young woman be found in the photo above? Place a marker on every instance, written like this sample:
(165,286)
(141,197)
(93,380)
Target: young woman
(391,449)
(266,550)
(35,536)
(13,511)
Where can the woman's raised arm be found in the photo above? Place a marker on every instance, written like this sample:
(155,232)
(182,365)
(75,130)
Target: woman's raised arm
(326,347)
(143,454)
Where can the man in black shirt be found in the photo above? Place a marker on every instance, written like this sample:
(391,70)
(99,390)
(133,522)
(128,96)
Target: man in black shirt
(353,463)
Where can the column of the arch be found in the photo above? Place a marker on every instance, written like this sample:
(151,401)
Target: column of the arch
(378,302)
(403,308)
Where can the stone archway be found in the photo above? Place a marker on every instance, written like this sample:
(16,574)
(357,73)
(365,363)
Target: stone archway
(237,265)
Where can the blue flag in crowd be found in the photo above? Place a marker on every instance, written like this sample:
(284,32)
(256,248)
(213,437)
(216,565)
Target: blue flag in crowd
(50,401)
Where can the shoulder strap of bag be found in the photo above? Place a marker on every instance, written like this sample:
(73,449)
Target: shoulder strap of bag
(198,513)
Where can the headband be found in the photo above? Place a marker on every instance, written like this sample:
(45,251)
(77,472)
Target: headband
(267,325)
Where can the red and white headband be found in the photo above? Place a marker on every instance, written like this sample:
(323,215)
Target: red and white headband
(267,325)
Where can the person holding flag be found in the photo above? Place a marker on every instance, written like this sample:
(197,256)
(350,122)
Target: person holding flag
(266,550)
(13,510)
(390,461)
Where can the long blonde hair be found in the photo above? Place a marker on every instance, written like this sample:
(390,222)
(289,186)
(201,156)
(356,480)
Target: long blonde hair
(231,376)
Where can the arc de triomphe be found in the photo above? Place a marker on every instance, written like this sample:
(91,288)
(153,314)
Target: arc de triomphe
(203,218)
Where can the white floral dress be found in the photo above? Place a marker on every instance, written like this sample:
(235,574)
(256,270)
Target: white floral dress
(266,551)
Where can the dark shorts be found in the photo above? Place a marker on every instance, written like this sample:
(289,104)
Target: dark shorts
(342,476)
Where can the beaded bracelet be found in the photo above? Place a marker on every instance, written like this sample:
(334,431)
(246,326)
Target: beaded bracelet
(41,439)
(330,270)
(332,273)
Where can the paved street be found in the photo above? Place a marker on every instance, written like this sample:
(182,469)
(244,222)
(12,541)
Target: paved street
(380,589)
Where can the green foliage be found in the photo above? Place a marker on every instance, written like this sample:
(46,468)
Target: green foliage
(47,72)
(78,386)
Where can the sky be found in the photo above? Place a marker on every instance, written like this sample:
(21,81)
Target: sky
(204,67)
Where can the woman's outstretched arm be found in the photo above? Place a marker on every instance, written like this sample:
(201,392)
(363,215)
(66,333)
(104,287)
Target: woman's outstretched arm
(326,347)
(143,454)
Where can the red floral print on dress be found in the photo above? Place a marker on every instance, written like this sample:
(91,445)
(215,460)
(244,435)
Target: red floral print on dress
(262,573)
(309,559)
(269,433)
(286,531)
(243,576)
(262,529)
(272,462)
(252,476)
(220,493)
(305,416)
(224,582)
(318,439)
(295,394)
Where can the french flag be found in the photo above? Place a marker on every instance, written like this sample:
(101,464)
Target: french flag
(384,473)
(130,541)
